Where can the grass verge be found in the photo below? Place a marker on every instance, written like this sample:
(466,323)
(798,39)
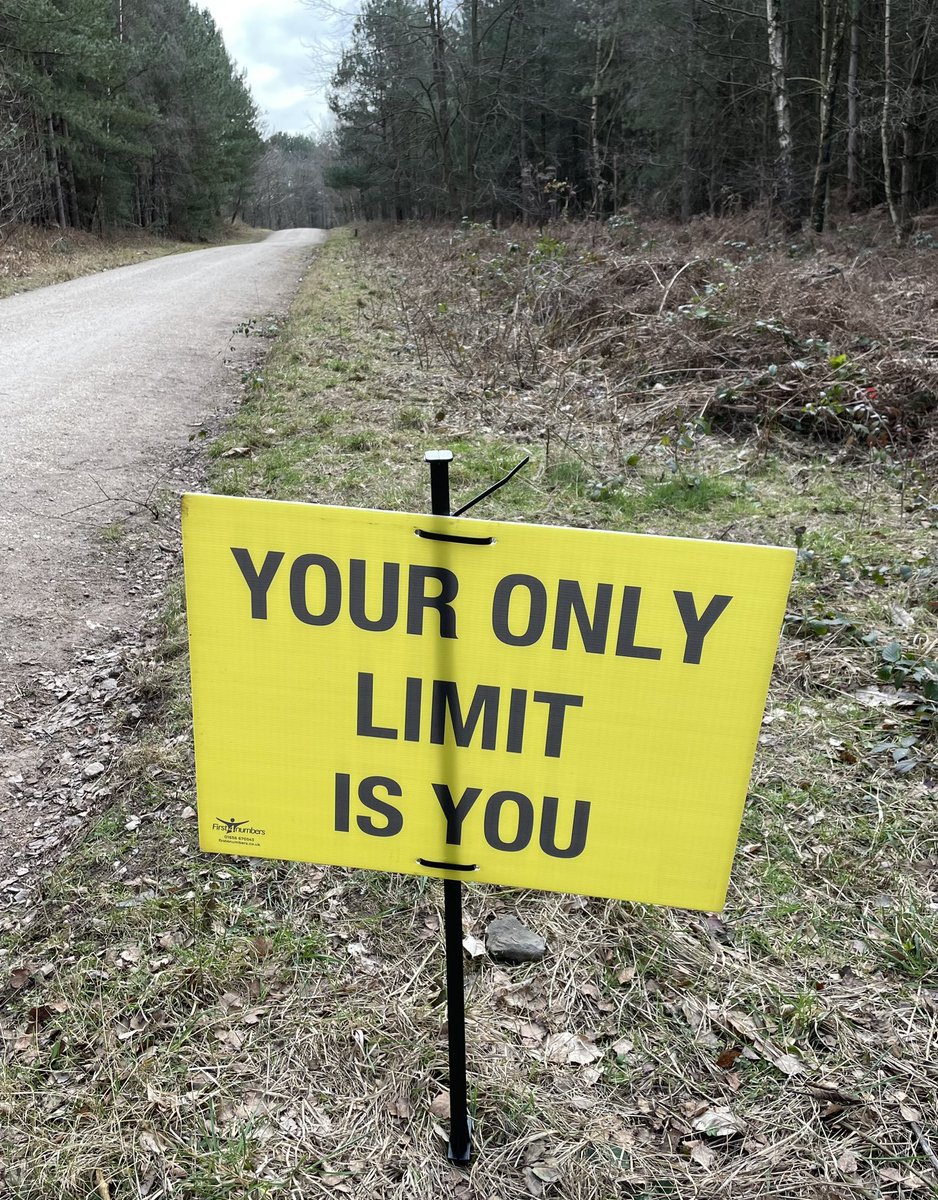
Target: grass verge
(33,258)
(175,1025)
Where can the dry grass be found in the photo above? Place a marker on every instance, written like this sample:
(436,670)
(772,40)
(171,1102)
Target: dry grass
(31,257)
(598,329)
(183,1026)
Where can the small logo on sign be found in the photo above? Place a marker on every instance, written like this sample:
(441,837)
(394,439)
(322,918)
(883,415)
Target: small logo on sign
(235,832)
(230,825)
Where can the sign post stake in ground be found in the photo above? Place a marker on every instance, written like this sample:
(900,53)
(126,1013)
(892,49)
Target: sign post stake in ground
(460,1139)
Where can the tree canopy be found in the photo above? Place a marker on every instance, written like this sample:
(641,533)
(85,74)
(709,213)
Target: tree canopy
(121,112)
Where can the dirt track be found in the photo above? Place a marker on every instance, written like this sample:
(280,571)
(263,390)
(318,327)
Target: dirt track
(102,382)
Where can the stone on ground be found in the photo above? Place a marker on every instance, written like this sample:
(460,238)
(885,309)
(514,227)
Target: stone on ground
(506,938)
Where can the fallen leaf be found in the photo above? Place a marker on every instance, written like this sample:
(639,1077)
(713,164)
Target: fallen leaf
(788,1064)
(718,929)
(848,1163)
(547,1173)
(875,697)
(532,1183)
(473,946)
(728,1057)
(702,1154)
(318,1121)
(402,1108)
(439,1105)
(910,1114)
(720,1123)
(569,1047)
(236,452)
(151,1142)
(743,1024)
(535,1151)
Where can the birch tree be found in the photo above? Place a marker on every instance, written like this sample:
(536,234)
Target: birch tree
(781,106)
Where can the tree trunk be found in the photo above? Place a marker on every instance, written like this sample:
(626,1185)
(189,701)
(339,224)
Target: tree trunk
(913,121)
(833,16)
(435,14)
(73,214)
(689,117)
(56,175)
(472,124)
(596,167)
(781,102)
(884,128)
(853,110)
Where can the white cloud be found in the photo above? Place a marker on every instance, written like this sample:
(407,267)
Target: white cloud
(276,42)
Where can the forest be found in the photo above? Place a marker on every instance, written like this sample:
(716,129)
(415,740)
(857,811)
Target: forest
(499,109)
(131,113)
(121,112)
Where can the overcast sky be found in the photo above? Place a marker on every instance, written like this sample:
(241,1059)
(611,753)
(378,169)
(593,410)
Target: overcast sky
(282,44)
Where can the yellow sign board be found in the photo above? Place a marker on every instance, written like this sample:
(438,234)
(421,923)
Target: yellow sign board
(518,704)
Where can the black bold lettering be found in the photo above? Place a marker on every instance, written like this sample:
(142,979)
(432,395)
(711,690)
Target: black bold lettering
(366,703)
(697,628)
(390,590)
(548,834)
(516,710)
(418,600)
(394,821)
(558,703)
(593,630)
(628,620)
(537,610)
(258,581)
(455,813)
(341,803)
(445,698)
(412,699)
(332,580)
(493,818)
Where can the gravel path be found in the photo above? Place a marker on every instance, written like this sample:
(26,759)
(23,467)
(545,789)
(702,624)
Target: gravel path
(102,380)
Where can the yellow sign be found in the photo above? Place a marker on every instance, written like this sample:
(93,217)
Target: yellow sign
(518,704)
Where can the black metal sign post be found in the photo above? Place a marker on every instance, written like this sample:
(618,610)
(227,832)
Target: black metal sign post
(460,1125)
(460,1133)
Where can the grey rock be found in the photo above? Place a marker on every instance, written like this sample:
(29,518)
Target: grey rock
(506,938)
